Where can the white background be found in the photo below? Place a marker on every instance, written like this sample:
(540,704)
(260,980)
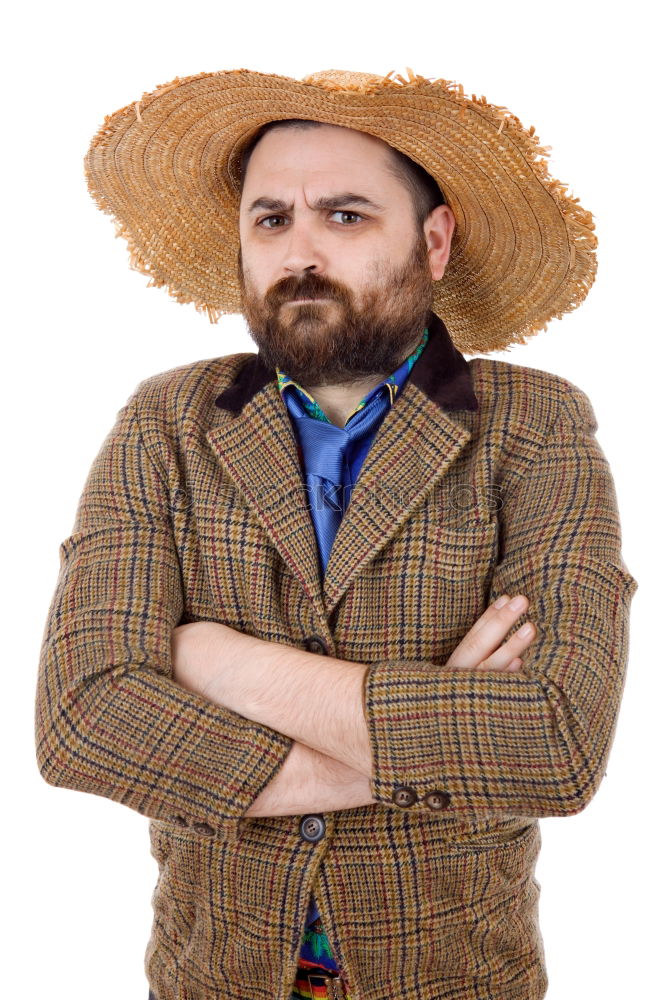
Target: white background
(83,330)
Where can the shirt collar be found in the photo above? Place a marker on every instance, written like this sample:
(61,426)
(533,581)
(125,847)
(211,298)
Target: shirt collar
(393,384)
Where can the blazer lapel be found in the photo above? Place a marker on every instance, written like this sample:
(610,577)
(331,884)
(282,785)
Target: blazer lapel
(416,443)
(258,450)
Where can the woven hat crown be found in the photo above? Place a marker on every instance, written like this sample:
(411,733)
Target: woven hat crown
(343,79)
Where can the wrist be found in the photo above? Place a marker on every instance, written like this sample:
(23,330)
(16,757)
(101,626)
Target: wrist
(341,786)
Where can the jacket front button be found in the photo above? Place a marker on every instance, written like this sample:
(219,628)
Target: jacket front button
(404,796)
(315,644)
(438,800)
(203,828)
(312,828)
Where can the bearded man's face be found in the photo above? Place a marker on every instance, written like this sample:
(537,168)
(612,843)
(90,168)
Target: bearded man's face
(336,280)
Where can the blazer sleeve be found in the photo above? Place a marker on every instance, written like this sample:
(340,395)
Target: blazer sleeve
(109,719)
(536,742)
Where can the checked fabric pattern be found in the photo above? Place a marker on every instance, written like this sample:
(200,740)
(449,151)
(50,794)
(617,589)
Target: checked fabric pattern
(484,477)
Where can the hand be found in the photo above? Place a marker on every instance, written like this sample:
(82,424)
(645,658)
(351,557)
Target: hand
(480,646)
(309,781)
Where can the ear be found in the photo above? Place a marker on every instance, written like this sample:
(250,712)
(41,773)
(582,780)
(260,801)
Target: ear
(438,230)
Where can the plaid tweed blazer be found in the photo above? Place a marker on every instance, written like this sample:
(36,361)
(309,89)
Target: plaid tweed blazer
(484,477)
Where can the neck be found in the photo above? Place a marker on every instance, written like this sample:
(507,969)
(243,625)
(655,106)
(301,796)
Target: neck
(338,401)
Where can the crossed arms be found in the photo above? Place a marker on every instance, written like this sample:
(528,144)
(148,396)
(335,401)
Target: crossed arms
(111,719)
(316,701)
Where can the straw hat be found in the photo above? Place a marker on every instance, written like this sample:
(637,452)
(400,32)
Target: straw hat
(166,168)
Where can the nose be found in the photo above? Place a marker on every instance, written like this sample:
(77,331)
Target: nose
(302,249)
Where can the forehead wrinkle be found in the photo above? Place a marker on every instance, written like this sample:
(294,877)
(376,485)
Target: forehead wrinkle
(323,202)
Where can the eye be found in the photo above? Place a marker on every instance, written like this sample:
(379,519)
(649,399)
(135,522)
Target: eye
(342,211)
(338,211)
(268,218)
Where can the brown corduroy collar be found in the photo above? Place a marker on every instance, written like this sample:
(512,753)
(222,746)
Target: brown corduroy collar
(442,372)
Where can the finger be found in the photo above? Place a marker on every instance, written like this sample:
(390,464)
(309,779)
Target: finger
(484,637)
(506,657)
(503,657)
(489,613)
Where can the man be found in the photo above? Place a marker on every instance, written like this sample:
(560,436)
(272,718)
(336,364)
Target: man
(363,822)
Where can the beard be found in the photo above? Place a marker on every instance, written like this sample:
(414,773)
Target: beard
(340,340)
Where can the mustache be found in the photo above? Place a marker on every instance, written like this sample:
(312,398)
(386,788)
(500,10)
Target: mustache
(312,286)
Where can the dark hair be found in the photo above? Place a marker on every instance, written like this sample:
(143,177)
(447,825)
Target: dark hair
(425,191)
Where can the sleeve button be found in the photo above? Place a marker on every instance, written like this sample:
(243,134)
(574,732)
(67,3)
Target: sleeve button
(438,800)
(405,796)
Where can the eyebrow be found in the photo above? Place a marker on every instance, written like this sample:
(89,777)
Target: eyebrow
(330,201)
